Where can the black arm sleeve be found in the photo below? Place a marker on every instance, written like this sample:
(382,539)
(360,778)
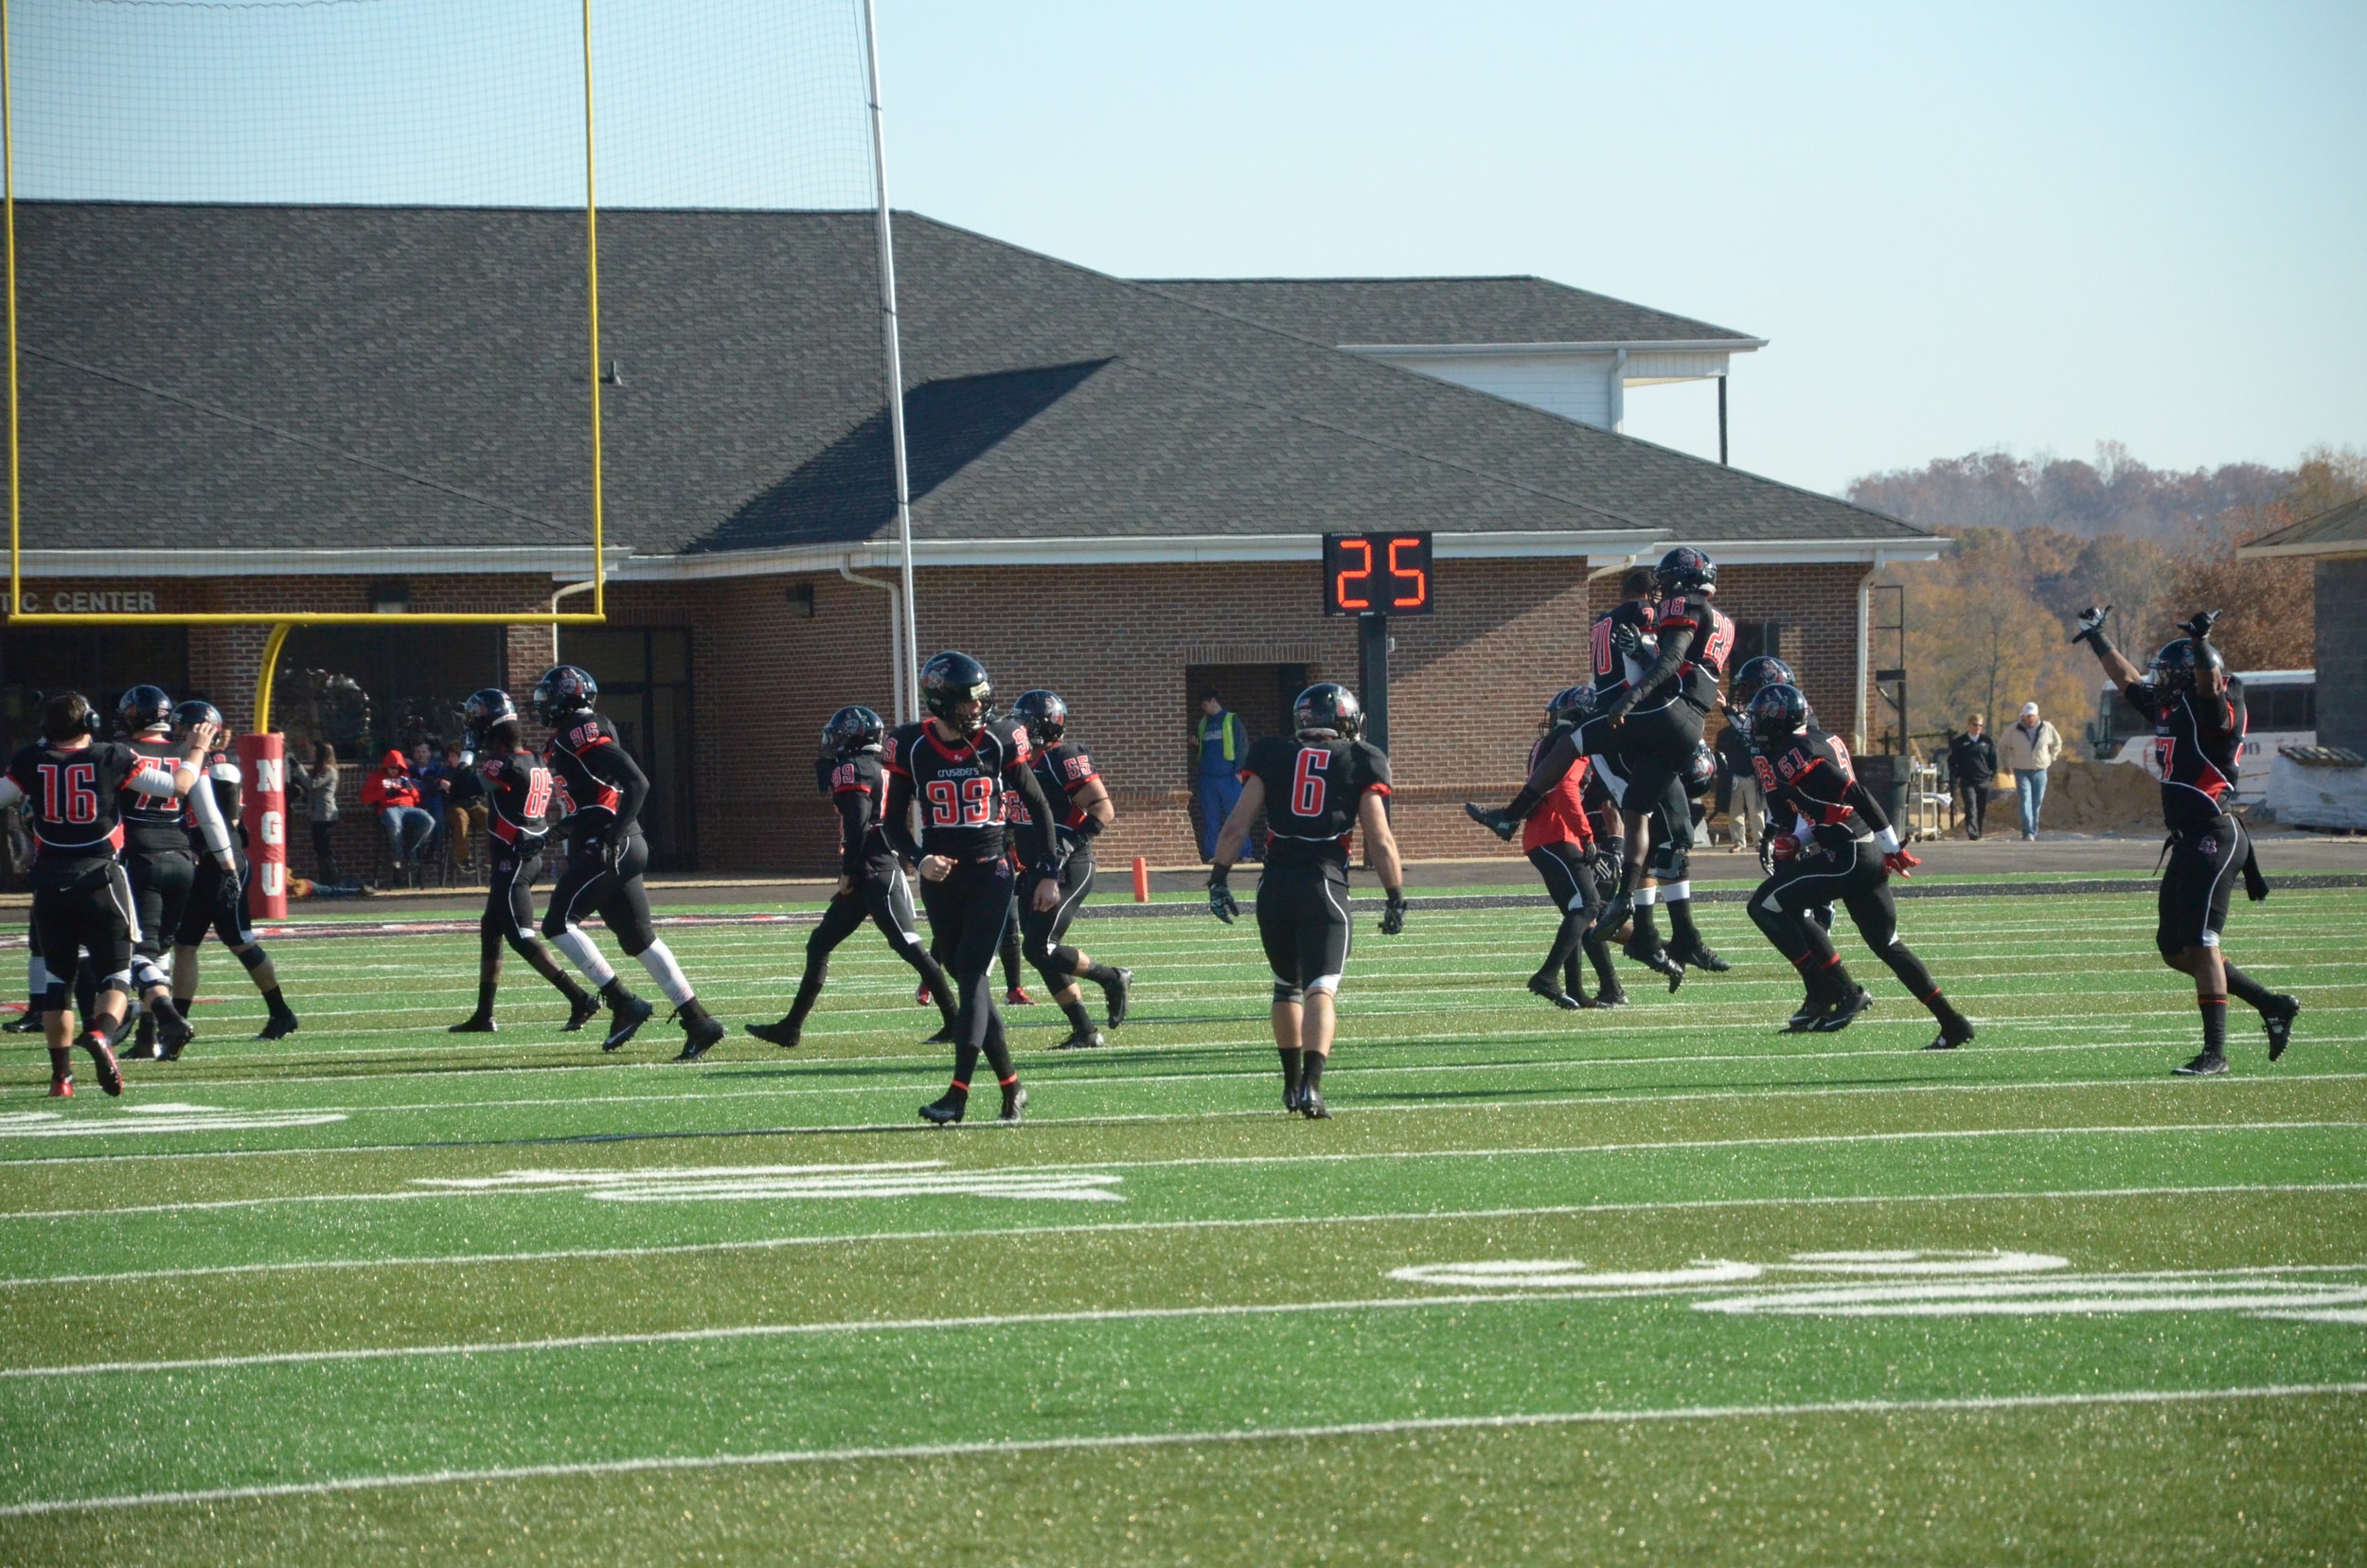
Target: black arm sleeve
(854,826)
(1023,779)
(898,824)
(1674,652)
(1551,770)
(611,766)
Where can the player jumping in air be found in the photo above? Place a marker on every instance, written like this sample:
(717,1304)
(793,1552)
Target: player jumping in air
(2198,728)
(1559,841)
(870,879)
(1071,782)
(606,857)
(518,798)
(217,900)
(156,854)
(79,787)
(1316,787)
(1840,846)
(955,764)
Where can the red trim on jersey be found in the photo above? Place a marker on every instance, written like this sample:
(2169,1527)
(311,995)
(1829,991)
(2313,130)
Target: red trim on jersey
(1377,788)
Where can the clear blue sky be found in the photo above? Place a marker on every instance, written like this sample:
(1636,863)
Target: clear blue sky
(2036,225)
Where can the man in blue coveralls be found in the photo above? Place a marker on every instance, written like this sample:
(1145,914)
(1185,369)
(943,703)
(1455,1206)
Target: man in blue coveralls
(1223,742)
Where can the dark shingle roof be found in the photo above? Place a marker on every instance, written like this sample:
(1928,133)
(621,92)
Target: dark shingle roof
(1441,309)
(2333,531)
(323,378)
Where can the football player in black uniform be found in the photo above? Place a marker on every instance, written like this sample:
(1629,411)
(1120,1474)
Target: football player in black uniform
(1754,676)
(217,900)
(1840,846)
(1071,782)
(2199,725)
(82,897)
(1559,838)
(955,764)
(518,798)
(870,879)
(606,857)
(1672,657)
(156,855)
(1316,787)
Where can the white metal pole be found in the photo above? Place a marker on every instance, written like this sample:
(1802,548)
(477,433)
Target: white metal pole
(910,673)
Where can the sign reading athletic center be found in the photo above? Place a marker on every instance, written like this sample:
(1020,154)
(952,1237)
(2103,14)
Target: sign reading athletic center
(90,601)
(1376,574)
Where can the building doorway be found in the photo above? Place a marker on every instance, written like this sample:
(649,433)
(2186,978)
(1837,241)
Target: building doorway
(645,691)
(1260,695)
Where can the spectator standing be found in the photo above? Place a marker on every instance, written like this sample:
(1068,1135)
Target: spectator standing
(464,806)
(390,791)
(1222,743)
(2029,747)
(1745,802)
(1972,764)
(317,782)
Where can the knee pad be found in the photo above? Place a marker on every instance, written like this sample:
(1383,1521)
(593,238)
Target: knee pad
(119,982)
(523,943)
(150,977)
(1285,992)
(252,955)
(1327,984)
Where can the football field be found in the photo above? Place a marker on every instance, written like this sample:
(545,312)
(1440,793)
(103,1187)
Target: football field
(1660,1283)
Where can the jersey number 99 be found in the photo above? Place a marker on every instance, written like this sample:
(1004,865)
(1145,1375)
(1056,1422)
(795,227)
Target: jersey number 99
(965,803)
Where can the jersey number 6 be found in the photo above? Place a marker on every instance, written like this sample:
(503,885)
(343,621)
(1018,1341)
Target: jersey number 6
(1307,784)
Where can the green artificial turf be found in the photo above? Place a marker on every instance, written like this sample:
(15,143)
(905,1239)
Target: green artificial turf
(379,1292)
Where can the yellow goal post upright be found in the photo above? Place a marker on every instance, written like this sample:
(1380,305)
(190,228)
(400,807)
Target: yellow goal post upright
(282,622)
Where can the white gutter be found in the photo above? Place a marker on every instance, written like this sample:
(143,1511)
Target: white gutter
(1516,350)
(426,560)
(904,715)
(2322,549)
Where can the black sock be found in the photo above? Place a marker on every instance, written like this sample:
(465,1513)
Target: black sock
(999,1052)
(97,1030)
(965,1066)
(1079,1019)
(614,989)
(1099,974)
(1646,935)
(277,1003)
(485,990)
(1943,1009)
(1311,1070)
(1291,1069)
(808,992)
(2214,1025)
(60,1062)
(691,1012)
(1606,975)
(1681,928)
(1563,954)
(2246,990)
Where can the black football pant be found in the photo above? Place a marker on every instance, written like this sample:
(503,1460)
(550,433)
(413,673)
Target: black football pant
(206,910)
(968,911)
(887,903)
(586,886)
(1782,905)
(1570,883)
(84,980)
(1655,749)
(2196,887)
(1302,924)
(1044,931)
(93,915)
(161,881)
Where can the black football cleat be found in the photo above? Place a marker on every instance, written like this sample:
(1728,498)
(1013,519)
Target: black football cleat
(1701,956)
(476,1024)
(1014,1104)
(1289,1098)
(1082,1040)
(1544,986)
(783,1034)
(103,1057)
(946,1109)
(174,1035)
(2209,1064)
(28,1022)
(1845,1012)
(943,1037)
(1494,820)
(698,1035)
(2278,1020)
(1311,1105)
(1118,996)
(580,1013)
(629,1013)
(279,1026)
(1611,996)
(144,1040)
(1952,1036)
(1804,1020)
(1617,911)
(1656,959)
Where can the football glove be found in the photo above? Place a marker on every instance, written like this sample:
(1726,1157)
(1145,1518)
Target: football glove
(2199,627)
(1393,915)
(613,852)
(1899,861)
(1767,849)
(2091,623)
(1627,639)
(1782,848)
(229,895)
(1221,903)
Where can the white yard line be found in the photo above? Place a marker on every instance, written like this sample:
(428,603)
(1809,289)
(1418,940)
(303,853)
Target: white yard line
(663,1463)
(1120,1228)
(1339,1157)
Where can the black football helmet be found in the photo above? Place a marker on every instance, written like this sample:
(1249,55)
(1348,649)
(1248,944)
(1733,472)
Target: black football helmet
(1045,714)
(1701,769)
(198,711)
(2179,665)
(143,707)
(949,680)
(1570,705)
(1777,714)
(481,712)
(1327,705)
(1757,674)
(852,729)
(562,691)
(1687,570)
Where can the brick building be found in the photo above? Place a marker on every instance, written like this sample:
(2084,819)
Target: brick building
(1118,488)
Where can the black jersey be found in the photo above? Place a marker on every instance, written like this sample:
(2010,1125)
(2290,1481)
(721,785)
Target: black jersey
(857,786)
(1613,670)
(221,776)
(1703,640)
(1063,769)
(600,779)
(2197,742)
(1809,775)
(518,797)
(154,825)
(959,786)
(1314,786)
(78,795)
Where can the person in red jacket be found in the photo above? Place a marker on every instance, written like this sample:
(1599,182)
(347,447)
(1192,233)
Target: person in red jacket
(1559,841)
(393,794)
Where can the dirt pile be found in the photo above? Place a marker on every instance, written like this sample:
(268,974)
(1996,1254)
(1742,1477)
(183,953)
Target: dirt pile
(2089,797)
